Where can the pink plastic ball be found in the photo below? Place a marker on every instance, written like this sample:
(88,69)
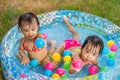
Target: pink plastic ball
(114,48)
(44,35)
(93,69)
(77,63)
(60,71)
(49,66)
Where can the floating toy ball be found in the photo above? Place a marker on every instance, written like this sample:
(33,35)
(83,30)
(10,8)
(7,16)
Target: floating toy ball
(110,42)
(67,59)
(39,42)
(49,66)
(48,73)
(67,53)
(64,76)
(110,62)
(114,47)
(56,57)
(93,69)
(44,35)
(77,63)
(105,50)
(112,55)
(102,69)
(55,76)
(34,62)
(60,71)
(66,65)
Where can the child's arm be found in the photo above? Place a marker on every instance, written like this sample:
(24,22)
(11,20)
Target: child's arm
(71,29)
(25,59)
(73,70)
(52,44)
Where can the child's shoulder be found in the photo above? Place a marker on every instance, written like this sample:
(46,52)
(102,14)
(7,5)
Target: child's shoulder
(22,39)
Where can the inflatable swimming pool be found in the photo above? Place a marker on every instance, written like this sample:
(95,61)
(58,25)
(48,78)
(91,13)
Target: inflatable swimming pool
(52,24)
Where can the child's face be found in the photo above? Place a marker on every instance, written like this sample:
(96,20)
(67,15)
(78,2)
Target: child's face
(90,53)
(30,30)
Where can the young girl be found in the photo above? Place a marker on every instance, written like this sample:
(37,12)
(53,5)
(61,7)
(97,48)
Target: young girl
(28,24)
(86,54)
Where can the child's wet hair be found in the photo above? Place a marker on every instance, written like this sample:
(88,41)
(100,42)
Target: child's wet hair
(28,18)
(95,41)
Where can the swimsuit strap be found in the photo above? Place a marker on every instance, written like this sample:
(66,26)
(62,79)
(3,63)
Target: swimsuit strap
(25,47)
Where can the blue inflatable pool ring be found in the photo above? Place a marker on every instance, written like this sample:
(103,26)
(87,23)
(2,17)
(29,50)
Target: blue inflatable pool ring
(53,25)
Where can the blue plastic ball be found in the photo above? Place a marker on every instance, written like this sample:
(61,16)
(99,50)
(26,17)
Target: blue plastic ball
(110,62)
(39,42)
(105,50)
(67,53)
(48,73)
(34,62)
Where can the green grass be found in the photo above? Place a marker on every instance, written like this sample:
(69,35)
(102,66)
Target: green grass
(109,9)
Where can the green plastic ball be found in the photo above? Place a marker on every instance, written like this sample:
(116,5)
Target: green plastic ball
(102,69)
(112,55)
(66,65)
(64,76)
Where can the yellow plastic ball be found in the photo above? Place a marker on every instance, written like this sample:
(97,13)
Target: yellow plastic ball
(55,76)
(84,78)
(96,76)
(90,77)
(67,59)
(110,42)
(56,57)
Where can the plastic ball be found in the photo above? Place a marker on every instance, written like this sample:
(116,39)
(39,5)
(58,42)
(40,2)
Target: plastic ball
(60,71)
(34,62)
(102,69)
(112,55)
(44,35)
(49,66)
(55,76)
(67,53)
(48,73)
(39,42)
(110,42)
(93,69)
(105,50)
(77,63)
(110,62)
(114,47)
(66,65)
(67,59)
(64,76)
(56,57)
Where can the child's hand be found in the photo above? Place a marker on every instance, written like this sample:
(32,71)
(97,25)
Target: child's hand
(25,60)
(72,70)
(65,18)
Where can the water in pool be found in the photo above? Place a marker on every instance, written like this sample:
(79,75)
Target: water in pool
(60,32)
